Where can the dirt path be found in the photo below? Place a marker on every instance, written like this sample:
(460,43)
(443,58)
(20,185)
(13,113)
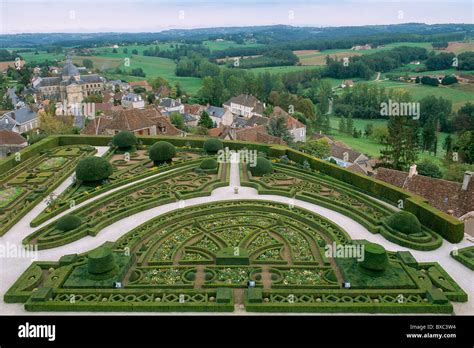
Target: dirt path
(200,277)
(266,277)
(238,296)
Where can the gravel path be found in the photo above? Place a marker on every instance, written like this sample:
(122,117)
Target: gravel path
(12,268)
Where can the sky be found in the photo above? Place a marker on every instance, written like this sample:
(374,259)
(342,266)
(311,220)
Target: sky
(29,16)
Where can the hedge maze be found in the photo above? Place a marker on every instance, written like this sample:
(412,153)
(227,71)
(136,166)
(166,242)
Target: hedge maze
(257,255)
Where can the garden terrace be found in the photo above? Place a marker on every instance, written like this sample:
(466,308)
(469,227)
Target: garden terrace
(201,259)
(31,179)
(127,167)
(445,225)
(183,183)
(315,187)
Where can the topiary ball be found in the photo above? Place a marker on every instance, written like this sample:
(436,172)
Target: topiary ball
(124,140)
(100,260)
(92,169)
(68,222)
(404,222)
(213,145)
(375,257)
(208,163)
(162,151)
(262,167)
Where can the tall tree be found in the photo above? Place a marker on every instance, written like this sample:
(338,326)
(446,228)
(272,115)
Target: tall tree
(277,127)
(205,120)
(342,125)
(402,141)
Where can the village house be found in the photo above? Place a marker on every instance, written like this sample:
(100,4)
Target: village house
(20,120)
(296,128)
(10,142)
(245,106)
(133,101)
(117,85)
(171,105)
(138,121)
(144,84)
(451,197)
(345,157)
(257,134)
(220,116)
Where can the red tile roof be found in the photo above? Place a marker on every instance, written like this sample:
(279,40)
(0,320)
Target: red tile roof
(8,137)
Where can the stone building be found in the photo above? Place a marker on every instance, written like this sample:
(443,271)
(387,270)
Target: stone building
(70,86)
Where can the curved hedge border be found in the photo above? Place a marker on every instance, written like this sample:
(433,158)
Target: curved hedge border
(447,226)
(44,238)
(460,255)
(373,225)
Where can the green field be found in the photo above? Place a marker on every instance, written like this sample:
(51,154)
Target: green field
(371,147)
(157,67)
(282,69)
(223,45)
(458,94)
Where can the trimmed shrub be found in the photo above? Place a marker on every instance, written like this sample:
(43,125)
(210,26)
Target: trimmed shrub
(375,257)
(161,152)
(263,167)
(404,222)
(68,222)
(213,145)
(229,256)
(223,295)
(254,295)
(91,169)
(208,163)
(100,260)
(124,140)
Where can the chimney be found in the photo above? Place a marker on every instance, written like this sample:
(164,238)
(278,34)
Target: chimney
(412,171)
(467,179)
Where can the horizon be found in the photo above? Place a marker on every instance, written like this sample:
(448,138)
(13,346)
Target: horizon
(227,27)
(126,16)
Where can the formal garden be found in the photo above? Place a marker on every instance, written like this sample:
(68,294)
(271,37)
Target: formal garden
(32,179)
(226,254)
(301,182)
(203,257)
